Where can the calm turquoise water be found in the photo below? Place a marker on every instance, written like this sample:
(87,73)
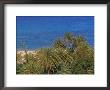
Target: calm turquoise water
(41,31)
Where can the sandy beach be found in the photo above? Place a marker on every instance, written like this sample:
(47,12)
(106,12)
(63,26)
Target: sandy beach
(21,51)
(28,52)
(21,54)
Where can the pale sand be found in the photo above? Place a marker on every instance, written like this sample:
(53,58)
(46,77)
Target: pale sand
(22,54)
(28,52)
(24,51)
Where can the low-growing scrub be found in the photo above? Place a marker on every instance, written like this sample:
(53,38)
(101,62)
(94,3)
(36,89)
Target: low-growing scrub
(68,55)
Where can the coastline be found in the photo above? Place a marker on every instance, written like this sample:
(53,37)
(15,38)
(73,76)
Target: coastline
(22,53)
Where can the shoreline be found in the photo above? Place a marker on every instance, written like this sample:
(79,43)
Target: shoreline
(28,52)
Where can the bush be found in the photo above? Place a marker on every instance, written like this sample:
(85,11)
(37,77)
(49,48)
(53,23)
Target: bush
(69,55)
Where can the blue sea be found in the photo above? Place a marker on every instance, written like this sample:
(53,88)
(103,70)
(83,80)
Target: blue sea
(41,31)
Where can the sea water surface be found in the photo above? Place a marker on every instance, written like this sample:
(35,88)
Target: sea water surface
(41,31)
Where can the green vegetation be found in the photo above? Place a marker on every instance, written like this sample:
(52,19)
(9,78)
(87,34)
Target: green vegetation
(68,55)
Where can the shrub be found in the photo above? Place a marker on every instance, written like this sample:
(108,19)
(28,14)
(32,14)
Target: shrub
(69,55)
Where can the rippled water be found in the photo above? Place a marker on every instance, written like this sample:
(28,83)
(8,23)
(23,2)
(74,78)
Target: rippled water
(38,32)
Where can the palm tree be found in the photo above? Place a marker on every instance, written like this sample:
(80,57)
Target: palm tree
(59,44)
(47,61)
(78,40)
(68,37)
(69,40)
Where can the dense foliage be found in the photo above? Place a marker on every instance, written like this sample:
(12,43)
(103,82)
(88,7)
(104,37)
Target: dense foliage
(68,55)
